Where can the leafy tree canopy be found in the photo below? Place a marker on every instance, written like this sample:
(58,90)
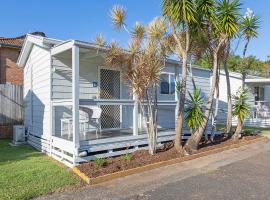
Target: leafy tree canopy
(253,65)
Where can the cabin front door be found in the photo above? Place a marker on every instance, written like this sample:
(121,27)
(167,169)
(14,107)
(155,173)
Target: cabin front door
(110,88)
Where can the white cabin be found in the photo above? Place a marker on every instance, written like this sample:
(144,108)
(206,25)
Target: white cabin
(76,108)
(259,97)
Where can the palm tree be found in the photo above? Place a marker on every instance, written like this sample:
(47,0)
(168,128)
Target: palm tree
(220,22)
(180,16)
(249,27)
(229,95)
(240,109)
(141,65)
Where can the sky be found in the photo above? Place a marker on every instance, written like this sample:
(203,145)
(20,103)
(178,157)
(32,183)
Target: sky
(82,19)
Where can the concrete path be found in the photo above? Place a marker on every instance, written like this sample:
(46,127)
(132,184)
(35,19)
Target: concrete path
(241,173)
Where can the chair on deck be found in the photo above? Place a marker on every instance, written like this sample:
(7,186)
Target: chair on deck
(93,118)
(89,119)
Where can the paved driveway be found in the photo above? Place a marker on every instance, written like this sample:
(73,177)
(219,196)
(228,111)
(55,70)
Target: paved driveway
(246,179)
(241,173)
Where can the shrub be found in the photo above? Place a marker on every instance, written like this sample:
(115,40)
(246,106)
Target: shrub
(100,162)
(127,157)
(194,116)
(247,132)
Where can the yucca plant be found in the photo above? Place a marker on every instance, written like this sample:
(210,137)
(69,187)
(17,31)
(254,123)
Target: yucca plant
(250,24)
(180,15)
(141,65)
(241,108)
(194,115)
(220,23)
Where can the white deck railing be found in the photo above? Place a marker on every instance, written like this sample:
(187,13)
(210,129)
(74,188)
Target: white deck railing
(261,110)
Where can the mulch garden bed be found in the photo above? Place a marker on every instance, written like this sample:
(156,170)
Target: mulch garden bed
(142,157)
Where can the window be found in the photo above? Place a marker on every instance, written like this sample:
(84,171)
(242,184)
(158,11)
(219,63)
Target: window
(259,94)
(167,83)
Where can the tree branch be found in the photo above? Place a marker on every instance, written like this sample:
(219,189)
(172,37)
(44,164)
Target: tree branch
(181,49)
(187,37)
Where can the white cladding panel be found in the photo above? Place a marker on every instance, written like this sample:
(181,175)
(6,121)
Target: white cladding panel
(37,92)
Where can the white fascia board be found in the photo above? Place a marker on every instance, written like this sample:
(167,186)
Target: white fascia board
(29,41)
(62,47)
(52,41)
(258,80)
(26,48)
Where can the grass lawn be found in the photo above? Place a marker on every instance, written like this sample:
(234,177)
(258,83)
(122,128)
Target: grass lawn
(264,131)
(26,173)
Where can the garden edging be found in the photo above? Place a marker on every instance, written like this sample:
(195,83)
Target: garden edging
(136,170)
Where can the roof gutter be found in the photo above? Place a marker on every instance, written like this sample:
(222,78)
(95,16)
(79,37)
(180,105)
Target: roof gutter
(10,46)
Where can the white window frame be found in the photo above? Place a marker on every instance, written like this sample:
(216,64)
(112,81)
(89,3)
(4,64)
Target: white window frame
(170,74)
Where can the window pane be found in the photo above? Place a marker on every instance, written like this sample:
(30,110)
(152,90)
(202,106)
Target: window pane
(164,84)
(172,84)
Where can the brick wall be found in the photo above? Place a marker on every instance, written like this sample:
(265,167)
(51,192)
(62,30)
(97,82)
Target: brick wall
(9,72)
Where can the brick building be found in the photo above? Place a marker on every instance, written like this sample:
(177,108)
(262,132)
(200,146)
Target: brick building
(9,51)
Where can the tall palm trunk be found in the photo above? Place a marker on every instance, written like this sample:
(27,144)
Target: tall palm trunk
(229,95)
(244,72)
(191,74)
(216,109)
(180,106)
(238,130)
(239,127)
(193,141)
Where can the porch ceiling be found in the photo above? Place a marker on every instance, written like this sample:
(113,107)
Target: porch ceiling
(84,47)
(85,54)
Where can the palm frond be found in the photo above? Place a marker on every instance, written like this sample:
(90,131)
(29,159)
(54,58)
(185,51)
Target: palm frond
(156,29)
(118,15)
(228,16)
(194,116)
(138,32)
(115,56)
(249,26)
(241,107)
(179,11)
(99,40)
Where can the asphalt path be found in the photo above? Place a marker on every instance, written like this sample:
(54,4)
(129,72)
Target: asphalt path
(242,173)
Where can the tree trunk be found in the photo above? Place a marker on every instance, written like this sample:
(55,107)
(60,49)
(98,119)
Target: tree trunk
(229,96)
(216,110)
(238,130)
(151,118)
(191,75)
(181,102)
(193,142)
(244,72)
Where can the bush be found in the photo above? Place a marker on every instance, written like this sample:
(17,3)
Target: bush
(127,157)
(100,162)
(247,132)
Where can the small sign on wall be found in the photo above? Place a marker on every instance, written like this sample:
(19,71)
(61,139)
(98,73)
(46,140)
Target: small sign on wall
(94,84)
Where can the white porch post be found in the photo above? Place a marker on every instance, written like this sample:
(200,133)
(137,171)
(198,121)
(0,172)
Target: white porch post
(135,115)
(75,97)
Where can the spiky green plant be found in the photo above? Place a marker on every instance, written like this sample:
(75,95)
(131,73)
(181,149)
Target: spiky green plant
(194,116)
(100,162)
(241,105)
(250,24)
(241,109)
(180,15)
(127,157)
(220,21)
